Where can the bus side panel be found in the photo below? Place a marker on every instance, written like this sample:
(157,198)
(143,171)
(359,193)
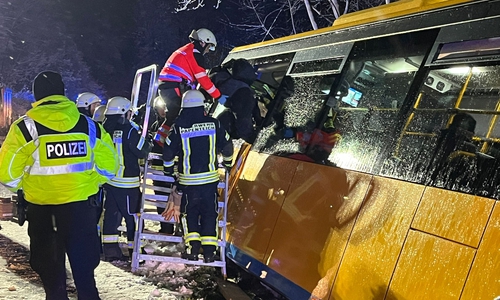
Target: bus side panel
(377,240)
(454,216)
(430,268)
(256,201)
(483,282)
(314,225)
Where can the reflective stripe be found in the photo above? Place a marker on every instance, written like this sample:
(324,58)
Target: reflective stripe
(109,238)
(104,173)
(209,240)
(57,170)
(192,236)
(201,74)
(168,164)
(170,77)
(211,90)
(199,178)
(13,183)
(181,52)
(140,144)
(125,182)
(92,133)
(180,70)
(168,141)
(213,154)
(134,124)
(30,125)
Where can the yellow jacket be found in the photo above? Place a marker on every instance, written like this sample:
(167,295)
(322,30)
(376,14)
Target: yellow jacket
(56,155)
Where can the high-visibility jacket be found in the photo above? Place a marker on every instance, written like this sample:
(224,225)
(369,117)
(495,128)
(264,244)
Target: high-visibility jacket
(56,155)
(182,65)
(196,139)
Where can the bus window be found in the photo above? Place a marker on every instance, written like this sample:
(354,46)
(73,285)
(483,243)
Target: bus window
(452,137)
(291,130)
(371,93)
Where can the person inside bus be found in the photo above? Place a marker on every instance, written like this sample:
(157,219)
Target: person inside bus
(455,153)
(240,114)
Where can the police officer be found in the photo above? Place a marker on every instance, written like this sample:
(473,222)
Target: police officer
(182,71)
(196,139)
(122,192)
(59,158)
(87,103)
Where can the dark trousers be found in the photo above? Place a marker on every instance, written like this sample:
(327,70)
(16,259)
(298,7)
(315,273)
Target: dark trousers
(56,230)
(173,102)
(120,203)
(164,227)
(200,209)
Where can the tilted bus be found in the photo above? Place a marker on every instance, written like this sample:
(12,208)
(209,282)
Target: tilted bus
(375,174)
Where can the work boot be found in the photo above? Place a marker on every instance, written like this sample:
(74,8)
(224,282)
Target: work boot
(187,256)
(112,252)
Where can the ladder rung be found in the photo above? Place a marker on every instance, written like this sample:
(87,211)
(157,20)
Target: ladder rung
(158,177)
(221,204)
(161,237)
(152,156)
(178,260)
(221,185)
(158,188)
(155,217)
(161,204)
(163,198)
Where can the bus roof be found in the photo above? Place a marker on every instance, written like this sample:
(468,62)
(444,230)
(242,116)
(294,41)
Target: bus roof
(385,12)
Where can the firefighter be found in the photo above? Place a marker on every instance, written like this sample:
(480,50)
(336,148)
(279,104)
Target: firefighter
(160,109)
(98,115)
(59,157)
(240,112)
(122,192)
(182,71)
(196,139)
(87,103)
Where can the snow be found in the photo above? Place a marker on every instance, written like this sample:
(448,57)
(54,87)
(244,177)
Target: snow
(153,280)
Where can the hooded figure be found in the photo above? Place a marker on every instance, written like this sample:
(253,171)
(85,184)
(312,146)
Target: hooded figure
(240,109)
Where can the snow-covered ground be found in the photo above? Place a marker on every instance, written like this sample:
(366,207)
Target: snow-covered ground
(153,280)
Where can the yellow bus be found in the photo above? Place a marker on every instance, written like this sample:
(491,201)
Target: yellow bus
(375,174)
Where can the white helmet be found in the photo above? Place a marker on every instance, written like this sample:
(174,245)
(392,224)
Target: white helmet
(99,114)
(204,35)
(117,106)
(159,103)
(192,98)
(86,99)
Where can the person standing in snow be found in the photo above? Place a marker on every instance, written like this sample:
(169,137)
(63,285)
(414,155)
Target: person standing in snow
(122,191)
(182,71)
(197,139)
(59,157)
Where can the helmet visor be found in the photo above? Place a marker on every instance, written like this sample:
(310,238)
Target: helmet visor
(211,47)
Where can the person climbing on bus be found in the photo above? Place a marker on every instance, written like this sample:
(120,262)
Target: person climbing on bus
(198,177)
(240,113)
(182,71)
(87,103)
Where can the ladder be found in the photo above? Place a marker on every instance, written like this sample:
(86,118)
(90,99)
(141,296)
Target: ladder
(148,198)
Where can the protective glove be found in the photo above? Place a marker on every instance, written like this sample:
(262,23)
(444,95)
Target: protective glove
(222,99)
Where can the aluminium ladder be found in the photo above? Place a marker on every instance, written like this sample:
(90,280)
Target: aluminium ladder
(161,201)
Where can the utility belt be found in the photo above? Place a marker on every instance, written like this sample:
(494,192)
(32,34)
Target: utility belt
(22,205)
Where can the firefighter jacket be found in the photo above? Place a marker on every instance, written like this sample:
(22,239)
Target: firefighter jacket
(130,148)
(56,155)
(183,66)
(196,139)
